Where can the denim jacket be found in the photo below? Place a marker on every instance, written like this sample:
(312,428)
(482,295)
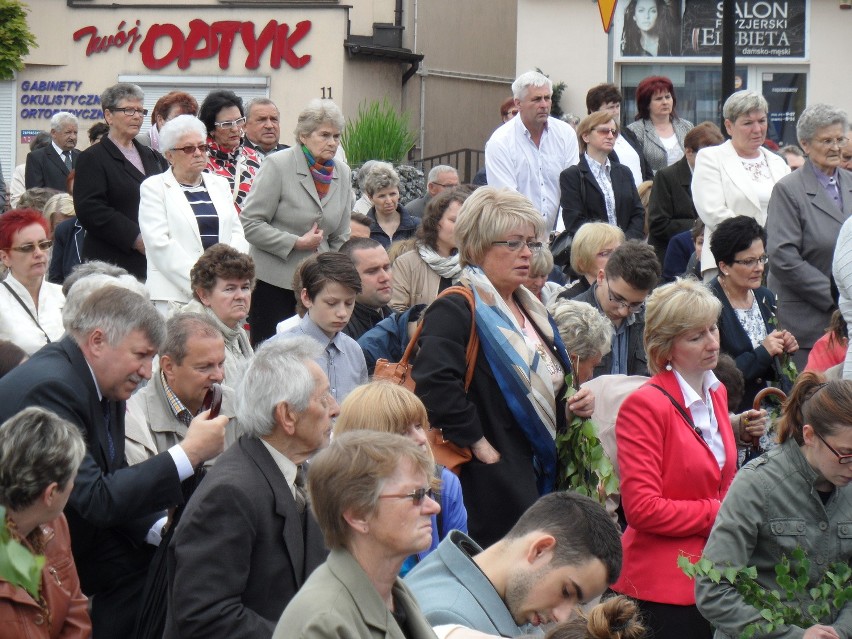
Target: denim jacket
(771,508)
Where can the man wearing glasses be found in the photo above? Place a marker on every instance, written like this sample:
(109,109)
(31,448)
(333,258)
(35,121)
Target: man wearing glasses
(440,177)
(630,274)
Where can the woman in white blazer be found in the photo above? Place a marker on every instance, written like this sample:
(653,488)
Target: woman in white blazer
(183,212)
(737,177)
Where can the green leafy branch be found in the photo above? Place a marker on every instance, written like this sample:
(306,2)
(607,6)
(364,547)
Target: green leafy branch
(583,465)
(18,565)
(793,603)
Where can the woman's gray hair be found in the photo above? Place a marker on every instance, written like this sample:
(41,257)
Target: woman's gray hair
(742,103)
(37,448)
(117,312)
(118,92)
(365,169)
(487,216)
(530,79)
(317,113)
(381,176)
(585,331)
(176,128)
(81,288)
(276,374)
(818,116)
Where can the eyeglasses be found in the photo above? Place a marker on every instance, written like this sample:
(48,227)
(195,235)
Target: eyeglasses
(604,130)
(191,148)
(130,111)
(445,186)
(829,142)
(633,307)
(416,497)
(517,245)
(230,124)
(752,261)
(29,248)
(841,459)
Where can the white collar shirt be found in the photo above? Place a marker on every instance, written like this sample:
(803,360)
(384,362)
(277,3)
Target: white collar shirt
(703,417)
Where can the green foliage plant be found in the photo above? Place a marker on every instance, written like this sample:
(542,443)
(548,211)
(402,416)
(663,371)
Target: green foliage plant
(378,133)
(583,465)
(793,603)
(16,39)
(18,565)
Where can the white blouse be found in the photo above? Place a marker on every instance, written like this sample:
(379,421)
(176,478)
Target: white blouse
(18,327)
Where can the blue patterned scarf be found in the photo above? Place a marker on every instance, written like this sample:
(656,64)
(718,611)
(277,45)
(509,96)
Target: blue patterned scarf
(521,372)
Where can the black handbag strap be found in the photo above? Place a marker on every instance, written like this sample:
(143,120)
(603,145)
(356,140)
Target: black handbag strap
(680,409)
(26,308)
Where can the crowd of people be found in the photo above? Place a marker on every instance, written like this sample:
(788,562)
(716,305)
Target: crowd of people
(190,318)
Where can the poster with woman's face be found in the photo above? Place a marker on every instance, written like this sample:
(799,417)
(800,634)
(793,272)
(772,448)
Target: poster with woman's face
(648,28)
(693,28)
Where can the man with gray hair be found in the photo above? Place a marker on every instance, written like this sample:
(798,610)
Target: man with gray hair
(263,127)
(116,513)
(192,359)
(247,540)
(50,166)
(440,177)
(527,153)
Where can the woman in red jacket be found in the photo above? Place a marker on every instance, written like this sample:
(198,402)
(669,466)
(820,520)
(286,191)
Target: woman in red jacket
(677,457)
(39,457)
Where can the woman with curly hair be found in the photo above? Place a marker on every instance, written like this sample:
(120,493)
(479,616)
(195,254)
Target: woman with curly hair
(651,28)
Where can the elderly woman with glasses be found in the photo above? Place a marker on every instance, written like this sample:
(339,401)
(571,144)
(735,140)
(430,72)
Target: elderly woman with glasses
(299,205)
(746,329)
(30,307)
(737,176)
(371,494)
(797,496)
(107,179)
(806,212)
(514,406)
(677,457)
(596,189)
(183,212)
(39,457)
(223,114)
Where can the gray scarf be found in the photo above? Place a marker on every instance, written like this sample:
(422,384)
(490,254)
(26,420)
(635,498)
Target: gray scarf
(444,266)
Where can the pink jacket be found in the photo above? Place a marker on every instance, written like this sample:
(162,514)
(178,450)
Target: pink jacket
(671,489)
(21,616)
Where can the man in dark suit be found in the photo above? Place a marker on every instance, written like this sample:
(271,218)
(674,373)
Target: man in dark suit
(247,540)
(115,513)
(630,274)
(50,166)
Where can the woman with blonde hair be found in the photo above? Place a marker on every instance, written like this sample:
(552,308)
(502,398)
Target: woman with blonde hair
(676,455)
(389,408)
(593,243)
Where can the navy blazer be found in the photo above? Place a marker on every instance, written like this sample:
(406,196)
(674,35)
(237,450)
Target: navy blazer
(754,363)
(670,209)
(112,505)
(582,199)
(45,167)
(106,198)
(67,250)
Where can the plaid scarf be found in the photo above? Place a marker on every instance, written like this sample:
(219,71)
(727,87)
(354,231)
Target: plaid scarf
(321,172)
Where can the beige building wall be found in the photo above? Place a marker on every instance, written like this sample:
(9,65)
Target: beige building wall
(830,77)
(566,40)
(468,69)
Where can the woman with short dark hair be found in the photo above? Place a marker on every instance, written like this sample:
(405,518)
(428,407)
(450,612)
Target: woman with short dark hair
(223,114)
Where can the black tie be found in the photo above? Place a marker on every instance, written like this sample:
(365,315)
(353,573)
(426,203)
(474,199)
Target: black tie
(67,156)
(110,442)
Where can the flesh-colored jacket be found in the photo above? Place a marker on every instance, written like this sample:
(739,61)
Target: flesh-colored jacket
(20,615)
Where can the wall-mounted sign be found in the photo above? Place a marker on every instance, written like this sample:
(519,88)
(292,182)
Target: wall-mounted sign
(41,99)
(693,28)
(164,44)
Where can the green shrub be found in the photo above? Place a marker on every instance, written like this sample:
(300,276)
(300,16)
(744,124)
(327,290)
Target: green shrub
(15,37)
(378,133)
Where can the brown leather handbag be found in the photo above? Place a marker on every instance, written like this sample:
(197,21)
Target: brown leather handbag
(445,452)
